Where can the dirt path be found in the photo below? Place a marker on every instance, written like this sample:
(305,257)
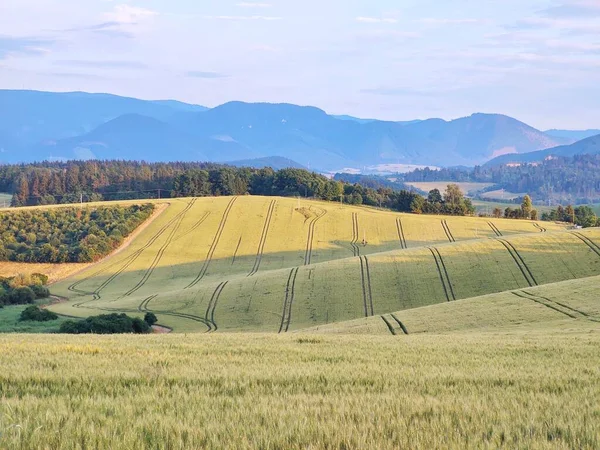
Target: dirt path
(159,329)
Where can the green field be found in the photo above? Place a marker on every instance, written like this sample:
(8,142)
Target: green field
(264,391)
(469,189)
(5,200)
(9,322)
(276,264)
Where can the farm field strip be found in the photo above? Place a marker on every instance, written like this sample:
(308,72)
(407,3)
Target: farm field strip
(495,229)
(286,317)
(518,259)
(263,239)
(560,307)
(214,244)
(252,244)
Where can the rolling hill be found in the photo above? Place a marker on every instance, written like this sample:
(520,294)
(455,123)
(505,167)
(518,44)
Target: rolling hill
(588,146)
(276,264)
(41,125)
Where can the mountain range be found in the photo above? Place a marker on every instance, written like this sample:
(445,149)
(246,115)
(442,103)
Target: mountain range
(588,146)
(44,125)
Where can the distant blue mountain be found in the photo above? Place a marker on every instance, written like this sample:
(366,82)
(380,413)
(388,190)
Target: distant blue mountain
(274,162)
(588,146)
(572,134)
(41,125)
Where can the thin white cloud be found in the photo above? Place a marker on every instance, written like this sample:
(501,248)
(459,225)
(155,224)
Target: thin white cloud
(253,5)
(442,21)
(376,20)
(240,18)
(128,15)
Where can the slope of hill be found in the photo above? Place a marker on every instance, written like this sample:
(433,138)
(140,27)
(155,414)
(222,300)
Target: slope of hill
(142,138)
(575,135)
(270,264)
(564,305)
(30,117)
(29,120)
(589,146)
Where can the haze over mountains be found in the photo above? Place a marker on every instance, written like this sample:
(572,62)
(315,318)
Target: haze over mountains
(42,125)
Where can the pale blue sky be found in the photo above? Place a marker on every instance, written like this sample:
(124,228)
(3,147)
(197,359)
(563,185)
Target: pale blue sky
(536,60)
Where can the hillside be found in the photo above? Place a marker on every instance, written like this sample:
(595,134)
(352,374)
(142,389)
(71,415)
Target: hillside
(588,146)
(576,135)
(42,125)
(265,264)
(564,305)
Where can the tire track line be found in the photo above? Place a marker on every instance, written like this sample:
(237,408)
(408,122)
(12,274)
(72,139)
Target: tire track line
(364,287)
(404,330)
(439,269)
(159,254)
(209,317)
(389,325)
(263,239)
(195,226)
(355,232)
(135,255)
(286,317)
(567,307)
(214,244)
(495,229)
(547,305)
(369,290)
(447,231)
(531,278)
(311,236)
(401,234)
(537,225)
(587,241)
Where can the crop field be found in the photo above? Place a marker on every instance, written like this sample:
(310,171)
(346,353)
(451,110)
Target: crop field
(484,390)
(279,265)
(568,305)
(467,188)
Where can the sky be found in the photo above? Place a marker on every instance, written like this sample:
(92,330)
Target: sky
(535,60)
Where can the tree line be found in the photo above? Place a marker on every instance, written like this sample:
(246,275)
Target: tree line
(575,179)
(67,234)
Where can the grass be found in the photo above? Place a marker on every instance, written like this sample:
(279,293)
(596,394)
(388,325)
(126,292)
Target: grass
(468,188)
(264,391)
(568,305)
(9,322)
(5,200)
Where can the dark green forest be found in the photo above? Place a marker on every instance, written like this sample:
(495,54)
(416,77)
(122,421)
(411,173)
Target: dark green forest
(69,234)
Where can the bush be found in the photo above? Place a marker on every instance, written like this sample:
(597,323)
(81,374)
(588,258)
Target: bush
(21,296)
(150,318)
(106,324)
(40,291)
(33,313)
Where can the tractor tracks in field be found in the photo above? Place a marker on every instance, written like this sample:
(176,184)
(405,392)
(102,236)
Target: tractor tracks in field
(209,317)
(311,235)
(365,274)
(566,310)
(539,227)
(143,307)
(213,245)
(127,261)
(263,238)
(519,261)
(401,236)
(447,230)
(355,233)
(443,273)
(195,226)
(587,241)
(160,252)
(286,317)
(390,326)
(495,229)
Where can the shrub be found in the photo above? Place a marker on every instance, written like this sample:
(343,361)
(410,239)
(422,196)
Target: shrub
(21,296)
(150,318)
(40,291)
(106,324)
(34,313)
